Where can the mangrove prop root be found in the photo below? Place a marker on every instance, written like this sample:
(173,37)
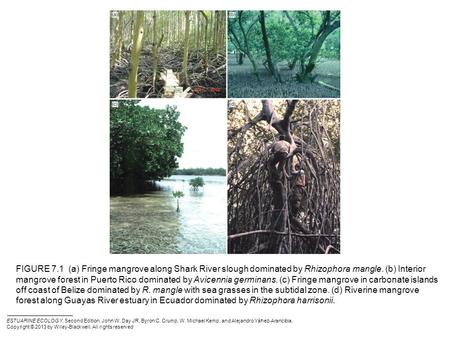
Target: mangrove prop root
(284,197)
(203,84)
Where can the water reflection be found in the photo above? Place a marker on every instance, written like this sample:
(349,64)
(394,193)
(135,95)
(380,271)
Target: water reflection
(149,223)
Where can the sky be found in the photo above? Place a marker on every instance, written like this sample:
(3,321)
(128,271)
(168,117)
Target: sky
(205,140)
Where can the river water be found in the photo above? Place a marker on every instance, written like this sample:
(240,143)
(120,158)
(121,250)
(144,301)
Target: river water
(149,223)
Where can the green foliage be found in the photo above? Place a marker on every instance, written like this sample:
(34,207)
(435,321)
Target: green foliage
(144,145)
(201,171)
(301,43)
(281,37)
(196,183)
(292,32)
(177,194)
(332,46)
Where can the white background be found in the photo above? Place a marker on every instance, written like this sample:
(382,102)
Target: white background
(54,79)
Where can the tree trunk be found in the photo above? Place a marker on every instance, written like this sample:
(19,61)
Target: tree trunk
(292,63)
(178,29)
(245,48)
(129,42)
(220,31)
(118,41)
(205,52)
(216,33)
(155,50)
(278,180)
(280,213)
(241,58)
(137,46)
(272,69)
(326,30)
(197,35)
(186,48)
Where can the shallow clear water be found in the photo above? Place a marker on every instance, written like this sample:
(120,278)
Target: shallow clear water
(149,223)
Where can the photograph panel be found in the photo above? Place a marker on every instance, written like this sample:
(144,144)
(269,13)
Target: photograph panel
(284,176)
(167,176)
(167,54)
(292,54)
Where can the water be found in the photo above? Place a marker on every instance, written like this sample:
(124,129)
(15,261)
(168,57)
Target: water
(149,223)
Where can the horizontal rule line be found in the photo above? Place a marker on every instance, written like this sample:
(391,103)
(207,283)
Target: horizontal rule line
(39,315)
